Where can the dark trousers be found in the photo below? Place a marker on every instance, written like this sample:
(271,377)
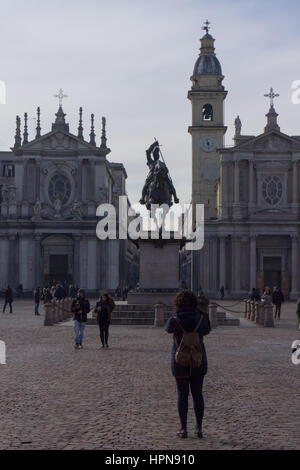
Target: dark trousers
(104,331)
(195,383)
(277,310)
(10,306)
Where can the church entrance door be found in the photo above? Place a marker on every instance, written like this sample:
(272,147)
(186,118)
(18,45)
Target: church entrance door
(272,271)
(59,269)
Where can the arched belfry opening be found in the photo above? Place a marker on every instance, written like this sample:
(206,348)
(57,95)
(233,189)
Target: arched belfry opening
(207,112)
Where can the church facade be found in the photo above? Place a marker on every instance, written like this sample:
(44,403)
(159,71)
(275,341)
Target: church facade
(250,191)
(50,189)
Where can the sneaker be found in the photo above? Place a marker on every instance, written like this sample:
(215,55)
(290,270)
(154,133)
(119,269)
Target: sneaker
(106,345)
(76,346)
(79,346)
(182,434)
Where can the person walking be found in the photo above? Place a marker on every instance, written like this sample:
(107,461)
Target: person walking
(80,308)
(8,294)
(267,296)
(222,292)
(188,319)
(277,299)
(104,309)
(37,299)
(20,291)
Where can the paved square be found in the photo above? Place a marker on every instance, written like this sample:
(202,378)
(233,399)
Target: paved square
(53,397)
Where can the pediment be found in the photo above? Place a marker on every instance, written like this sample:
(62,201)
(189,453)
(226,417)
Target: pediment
(271,141)
(58,140)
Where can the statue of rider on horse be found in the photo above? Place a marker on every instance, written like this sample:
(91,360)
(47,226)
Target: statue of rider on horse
(158,188)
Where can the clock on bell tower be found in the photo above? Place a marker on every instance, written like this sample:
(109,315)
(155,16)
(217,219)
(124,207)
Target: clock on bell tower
(207,96)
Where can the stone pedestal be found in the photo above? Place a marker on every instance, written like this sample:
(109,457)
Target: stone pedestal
(48,315)
(159,272)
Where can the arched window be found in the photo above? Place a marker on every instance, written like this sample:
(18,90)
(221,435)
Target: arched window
(207,112)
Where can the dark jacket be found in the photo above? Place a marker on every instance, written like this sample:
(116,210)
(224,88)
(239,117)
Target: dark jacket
(277,297)
(80,308)
(8,295)
(188,320)
(104,309)
(37,296)
(60,293)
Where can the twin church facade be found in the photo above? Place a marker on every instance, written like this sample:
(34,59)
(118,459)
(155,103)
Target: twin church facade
(250,192)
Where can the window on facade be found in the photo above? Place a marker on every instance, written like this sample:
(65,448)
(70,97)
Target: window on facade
(8,171)
(207,112)
(272,190)
(59,187)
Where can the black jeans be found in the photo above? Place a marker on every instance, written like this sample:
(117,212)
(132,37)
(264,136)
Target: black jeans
(277,310)
(10,306)
(195,383)
(104,331)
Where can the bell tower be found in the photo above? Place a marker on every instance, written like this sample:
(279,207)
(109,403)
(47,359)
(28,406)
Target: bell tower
(207,96)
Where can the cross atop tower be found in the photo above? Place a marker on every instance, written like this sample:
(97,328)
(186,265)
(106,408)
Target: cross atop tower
(206,26)
(271,95)
(60,96)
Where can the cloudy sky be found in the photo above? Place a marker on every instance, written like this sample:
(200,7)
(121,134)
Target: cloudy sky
(131,61)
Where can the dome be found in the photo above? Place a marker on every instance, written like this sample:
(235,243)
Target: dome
(207,65)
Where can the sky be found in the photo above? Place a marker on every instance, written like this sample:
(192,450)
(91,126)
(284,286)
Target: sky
(131,61)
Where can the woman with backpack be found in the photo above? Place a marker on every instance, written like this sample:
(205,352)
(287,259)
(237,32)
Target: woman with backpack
(189,361)
(104,310)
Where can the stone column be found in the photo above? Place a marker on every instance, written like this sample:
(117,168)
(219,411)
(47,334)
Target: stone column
(76,264)
(295,182)
(224,190)
(4,262)
(38,259)
(12,277)
(222,264)
(236,263)
(38,178)
(294,276)
(236,182)
(252,262)
(251,183)
(92,263)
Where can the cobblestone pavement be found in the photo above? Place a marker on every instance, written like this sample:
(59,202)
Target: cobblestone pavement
(53,397)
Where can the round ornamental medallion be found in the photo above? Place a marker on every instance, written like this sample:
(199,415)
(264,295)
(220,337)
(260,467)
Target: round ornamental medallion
(59,188)
(272,190)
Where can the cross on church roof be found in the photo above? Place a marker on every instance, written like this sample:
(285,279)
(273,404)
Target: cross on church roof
(271,95)
(206,26)
(60,96)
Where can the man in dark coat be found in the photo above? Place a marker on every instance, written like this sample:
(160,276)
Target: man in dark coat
(8,299)
(37,299)
(277,299)
(80,308)
(187,318)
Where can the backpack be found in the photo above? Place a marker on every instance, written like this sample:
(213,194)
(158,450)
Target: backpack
(189,351)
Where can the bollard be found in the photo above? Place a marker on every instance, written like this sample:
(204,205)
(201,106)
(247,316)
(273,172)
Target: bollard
(212,309)
(159,318)
(59,311)
(258,310)
(48,315)
(253,311)
(54,312)
(269,319)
